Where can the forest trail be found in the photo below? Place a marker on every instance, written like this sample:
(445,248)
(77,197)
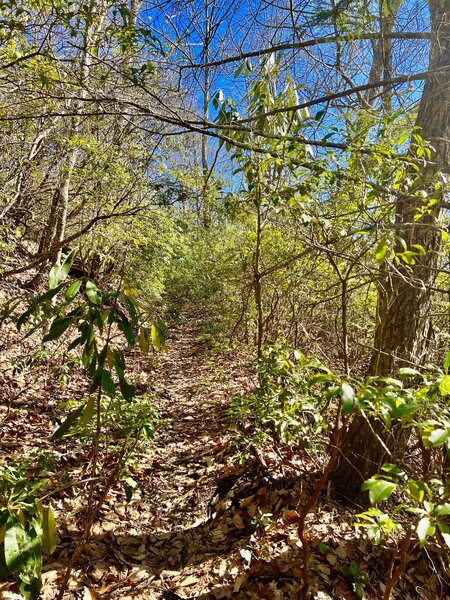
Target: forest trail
(181,550)
(201,523)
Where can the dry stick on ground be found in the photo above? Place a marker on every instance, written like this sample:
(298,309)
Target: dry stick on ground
(336,437)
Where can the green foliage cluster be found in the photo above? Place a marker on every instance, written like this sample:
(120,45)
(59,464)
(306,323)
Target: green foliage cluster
(27,527)
(111,409)
(295,403)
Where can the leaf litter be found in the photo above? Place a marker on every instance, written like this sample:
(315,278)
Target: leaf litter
(199,524)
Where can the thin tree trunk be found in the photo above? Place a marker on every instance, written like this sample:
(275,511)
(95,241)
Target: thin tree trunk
(257,281)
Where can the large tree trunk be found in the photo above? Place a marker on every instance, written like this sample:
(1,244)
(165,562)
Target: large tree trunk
(403,326)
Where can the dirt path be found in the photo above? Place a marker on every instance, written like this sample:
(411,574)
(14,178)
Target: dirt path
(182,551)
(200,525)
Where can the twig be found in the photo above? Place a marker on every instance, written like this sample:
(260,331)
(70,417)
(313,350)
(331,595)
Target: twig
(336,437)
(402,556)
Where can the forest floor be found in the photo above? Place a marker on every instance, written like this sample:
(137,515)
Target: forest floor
(211,517)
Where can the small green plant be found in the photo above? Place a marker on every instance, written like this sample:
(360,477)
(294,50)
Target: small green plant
(110,409)
(287,403)
(27,528)
(353,573)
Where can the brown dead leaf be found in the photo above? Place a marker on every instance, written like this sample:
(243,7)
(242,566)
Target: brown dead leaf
(238,583)
(191,580)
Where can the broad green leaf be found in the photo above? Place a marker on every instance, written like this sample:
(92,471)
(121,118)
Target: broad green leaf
(96,379)
(88,411)
(392,469)
(379,489)
(129,485)
(58,327)
(417,489)
(24,317)
(443,509)
(381,250)
(93,293)
(119,363)
(444,385)
(159,334)
(127,329)
(67,424)
(408,372)
(73,290)
(404,409)
(20,548)
(49,536)
(144,340)
(348,398)
(132,309)
(50,294)
(108,385)
(59,273)
(438,437)
(424,528)
(445,531)
(390,381)
(128,391)
(76,342)
(320,378)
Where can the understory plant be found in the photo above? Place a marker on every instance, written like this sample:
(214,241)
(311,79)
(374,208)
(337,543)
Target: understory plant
(299,399)
(109,421)
(27,527)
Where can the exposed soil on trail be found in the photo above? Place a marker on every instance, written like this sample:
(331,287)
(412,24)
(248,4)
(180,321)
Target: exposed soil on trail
(210,518)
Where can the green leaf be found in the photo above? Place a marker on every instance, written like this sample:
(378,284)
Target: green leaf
(23,557)
(108,384)
(58,327)
(417,489)
(381,250)
(438,437)
(119,362)
(88,411)
(59,273)
(159,334)
(132,309)
(144,340)
(444,385)
(348,398)
(320,378)
(73,290)
(49,294)
(49,536)
(390,381)
(93,293)
(445,531)
(24,317)
(443,509)
(125,325)
(379,489)
(69,421)
(424,528)
(128,391)
(129,485)
(408,372)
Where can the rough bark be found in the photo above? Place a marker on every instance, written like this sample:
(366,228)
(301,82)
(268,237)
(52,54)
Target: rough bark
(404,308)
